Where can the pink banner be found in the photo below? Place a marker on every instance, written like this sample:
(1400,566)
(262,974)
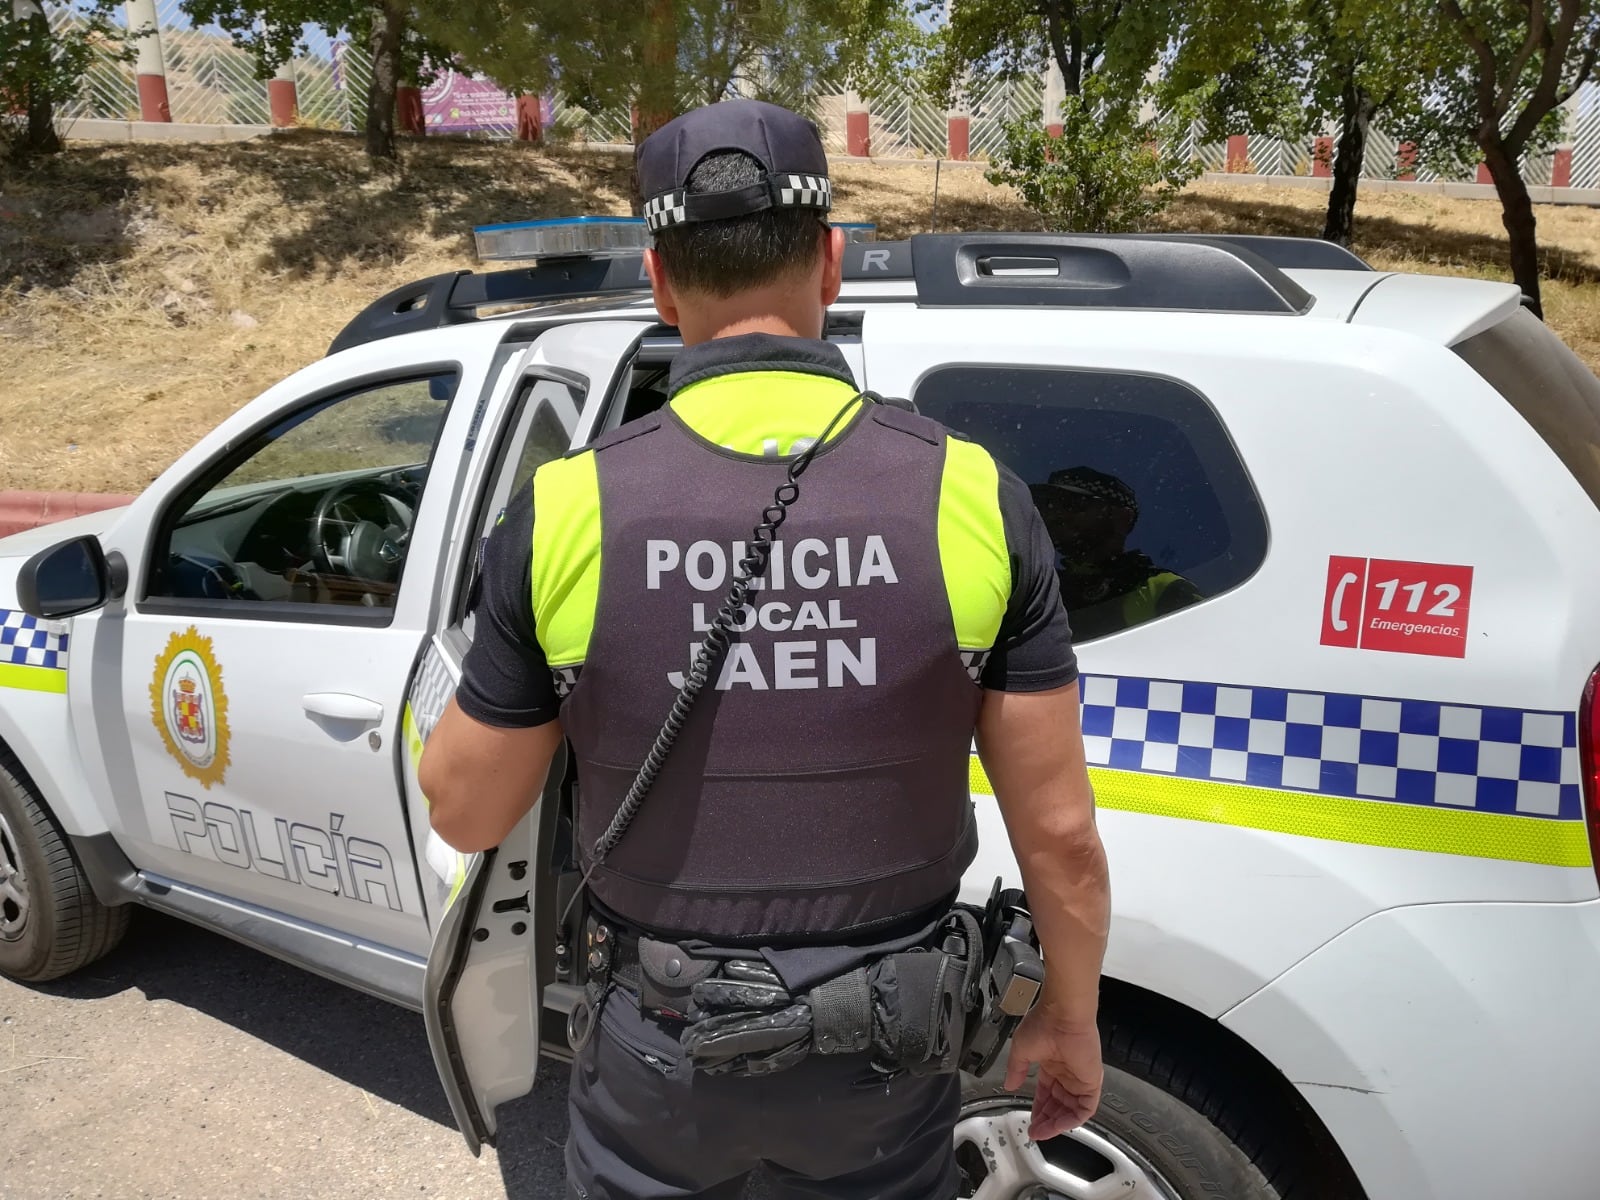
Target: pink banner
(457,103)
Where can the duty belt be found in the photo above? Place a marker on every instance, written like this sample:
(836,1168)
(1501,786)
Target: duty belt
(926,1010)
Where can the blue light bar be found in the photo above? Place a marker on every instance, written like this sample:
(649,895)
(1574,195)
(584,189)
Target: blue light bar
(591,237)
(564,237)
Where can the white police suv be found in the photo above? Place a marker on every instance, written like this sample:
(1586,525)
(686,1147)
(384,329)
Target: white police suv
(1325,535)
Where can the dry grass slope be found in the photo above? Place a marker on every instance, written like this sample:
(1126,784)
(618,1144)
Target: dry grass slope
(147,291)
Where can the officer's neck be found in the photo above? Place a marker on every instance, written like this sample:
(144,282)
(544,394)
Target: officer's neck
(774,311)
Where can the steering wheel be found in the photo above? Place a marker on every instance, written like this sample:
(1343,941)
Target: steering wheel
(355,532)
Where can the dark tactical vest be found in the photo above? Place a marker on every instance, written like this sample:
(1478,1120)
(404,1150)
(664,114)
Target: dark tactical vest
(820,786)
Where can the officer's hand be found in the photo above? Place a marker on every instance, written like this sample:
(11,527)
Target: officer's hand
(1070,1074)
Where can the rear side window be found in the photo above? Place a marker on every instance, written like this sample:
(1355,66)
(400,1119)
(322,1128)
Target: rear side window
(1548,385)
(1145,498)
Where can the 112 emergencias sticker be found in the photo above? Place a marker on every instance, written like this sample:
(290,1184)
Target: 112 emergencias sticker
(1402,607)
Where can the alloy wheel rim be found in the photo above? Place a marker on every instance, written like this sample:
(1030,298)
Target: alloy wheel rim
(14,904)
(999,1161)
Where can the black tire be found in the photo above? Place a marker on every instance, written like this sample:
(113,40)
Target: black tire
(1177,1150)
(60,926)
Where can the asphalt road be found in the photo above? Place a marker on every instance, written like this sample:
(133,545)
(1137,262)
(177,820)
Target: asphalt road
(186,1066)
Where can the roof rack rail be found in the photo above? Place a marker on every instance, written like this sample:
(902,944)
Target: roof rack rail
(1188,272)
(1285,253)
(455,298)
(1081,270)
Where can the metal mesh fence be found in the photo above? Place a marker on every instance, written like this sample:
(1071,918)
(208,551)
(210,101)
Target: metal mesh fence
(109,89)
(212,82)
(1586,139)
(995,103)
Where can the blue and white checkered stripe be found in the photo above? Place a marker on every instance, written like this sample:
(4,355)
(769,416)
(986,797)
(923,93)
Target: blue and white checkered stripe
(1505,760)
(29,642)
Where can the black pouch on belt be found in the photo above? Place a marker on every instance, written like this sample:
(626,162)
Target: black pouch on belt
(667,975)
(920,996)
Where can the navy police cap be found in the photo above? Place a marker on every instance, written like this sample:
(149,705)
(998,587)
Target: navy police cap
(787,145)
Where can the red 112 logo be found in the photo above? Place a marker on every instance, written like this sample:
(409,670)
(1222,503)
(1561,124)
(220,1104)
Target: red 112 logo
(1404,607)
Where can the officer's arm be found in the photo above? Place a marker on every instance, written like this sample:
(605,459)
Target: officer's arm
(486,760)
(1032,749)
(480,780)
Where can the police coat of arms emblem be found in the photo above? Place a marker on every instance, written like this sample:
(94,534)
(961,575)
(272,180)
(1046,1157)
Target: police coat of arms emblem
(189,707)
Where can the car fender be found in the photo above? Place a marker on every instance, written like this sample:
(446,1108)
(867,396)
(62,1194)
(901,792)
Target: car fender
(1435,1040)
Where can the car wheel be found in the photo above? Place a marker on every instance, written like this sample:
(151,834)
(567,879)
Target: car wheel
(1142,1144)
(50,921)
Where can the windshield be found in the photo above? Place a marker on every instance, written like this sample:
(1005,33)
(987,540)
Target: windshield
(1548,385)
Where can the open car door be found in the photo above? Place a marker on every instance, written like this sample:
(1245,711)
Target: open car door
(484,990)
(493,914)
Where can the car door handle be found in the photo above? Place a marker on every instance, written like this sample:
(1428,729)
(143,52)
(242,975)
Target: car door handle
(340,706)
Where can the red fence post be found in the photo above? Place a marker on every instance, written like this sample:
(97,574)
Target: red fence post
(528,127)
(150,67)
(857,126)
(408,110)
(959,132)
(1322,157)
(1238,154)
(1561,167)
(283,97)
(1405,161)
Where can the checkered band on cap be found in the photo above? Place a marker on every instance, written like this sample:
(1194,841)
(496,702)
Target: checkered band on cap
(665,210)
(792,191)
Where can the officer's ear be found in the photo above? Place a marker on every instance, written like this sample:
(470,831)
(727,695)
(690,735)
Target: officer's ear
(661,289)
(832,263)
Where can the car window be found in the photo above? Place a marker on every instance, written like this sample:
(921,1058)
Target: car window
(1147,504)
(548,420)
(316,510)
(1548,384)
(544,422)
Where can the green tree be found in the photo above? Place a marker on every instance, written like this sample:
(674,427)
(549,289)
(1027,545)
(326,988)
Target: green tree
(1113,41)
(1110,168)
(41,67)
(1518,62)
(1103,173)
(272,31)
(662,55)
(1292,68)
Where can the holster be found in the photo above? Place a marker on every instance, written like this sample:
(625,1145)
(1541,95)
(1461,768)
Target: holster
(667,977)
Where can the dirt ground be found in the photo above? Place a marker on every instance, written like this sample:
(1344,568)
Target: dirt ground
(186,1067)
(148,290)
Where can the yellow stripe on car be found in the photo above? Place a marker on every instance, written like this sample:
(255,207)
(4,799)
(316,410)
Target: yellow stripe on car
(1336,818)
(33,679)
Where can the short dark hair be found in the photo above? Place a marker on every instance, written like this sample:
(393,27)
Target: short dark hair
(724,257)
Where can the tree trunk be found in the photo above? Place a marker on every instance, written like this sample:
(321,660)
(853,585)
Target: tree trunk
(658,84)
(1354,122)
(388,27)
(657,101)
(41,137)
(1064,30)
(1516,213)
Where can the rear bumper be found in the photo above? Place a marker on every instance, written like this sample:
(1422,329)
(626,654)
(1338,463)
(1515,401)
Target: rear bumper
(1453,1050)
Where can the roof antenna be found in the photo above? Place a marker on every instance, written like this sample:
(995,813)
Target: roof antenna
(933,220)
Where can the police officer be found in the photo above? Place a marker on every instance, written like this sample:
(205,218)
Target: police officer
(774,921)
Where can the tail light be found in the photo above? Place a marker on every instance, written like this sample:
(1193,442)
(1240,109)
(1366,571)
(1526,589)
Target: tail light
(1589,763)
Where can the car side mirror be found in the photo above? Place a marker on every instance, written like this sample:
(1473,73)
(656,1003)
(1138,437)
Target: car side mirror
(69,578)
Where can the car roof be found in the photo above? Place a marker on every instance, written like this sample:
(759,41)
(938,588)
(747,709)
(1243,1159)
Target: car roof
(1302,278)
